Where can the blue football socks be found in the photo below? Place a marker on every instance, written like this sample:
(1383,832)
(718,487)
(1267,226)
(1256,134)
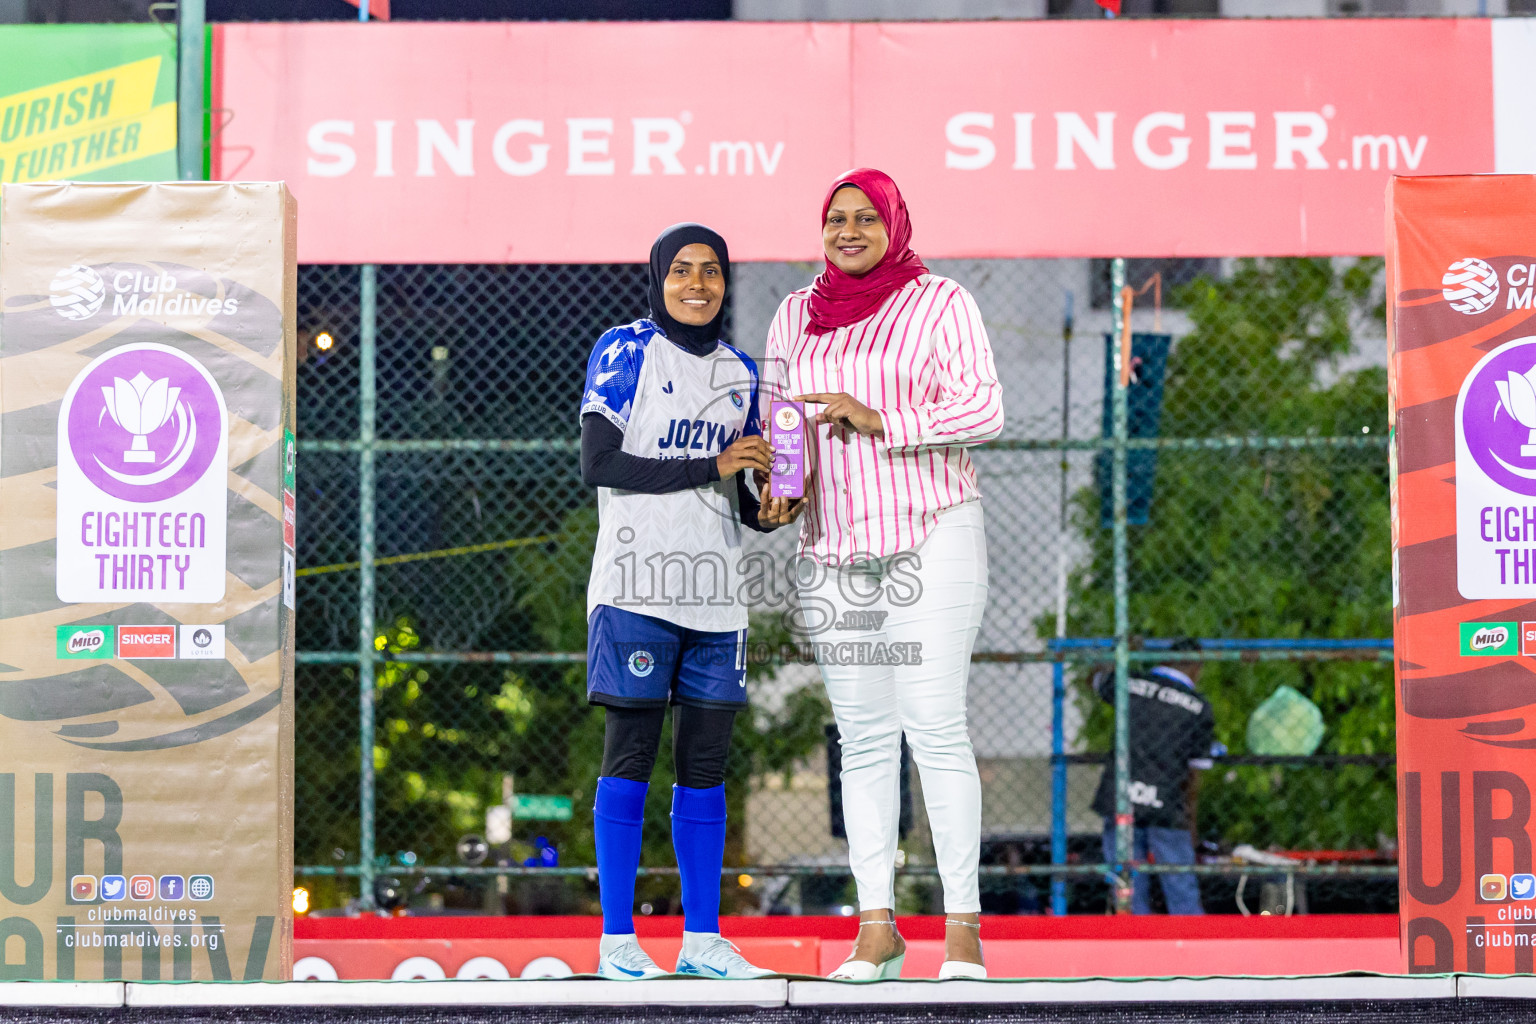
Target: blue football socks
(618,814)
(698,836)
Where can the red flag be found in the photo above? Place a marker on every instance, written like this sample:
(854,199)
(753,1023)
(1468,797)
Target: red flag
(1112,6)
(380,8)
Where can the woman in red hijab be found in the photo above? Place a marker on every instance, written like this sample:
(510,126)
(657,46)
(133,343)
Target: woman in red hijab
(895,361)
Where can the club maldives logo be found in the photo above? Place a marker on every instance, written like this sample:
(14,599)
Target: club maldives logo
(641,663)
(79,292)
(144,422)
(76,292)
(1470,286)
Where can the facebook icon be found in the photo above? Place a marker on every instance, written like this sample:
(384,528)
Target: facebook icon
(172,887)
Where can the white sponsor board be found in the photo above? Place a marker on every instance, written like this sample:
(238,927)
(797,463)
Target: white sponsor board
(1496,475)
(201,641)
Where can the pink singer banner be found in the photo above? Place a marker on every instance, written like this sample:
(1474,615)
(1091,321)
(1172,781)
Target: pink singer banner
(576,142)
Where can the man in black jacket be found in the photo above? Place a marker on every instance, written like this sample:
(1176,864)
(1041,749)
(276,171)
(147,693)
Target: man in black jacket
(1170,725)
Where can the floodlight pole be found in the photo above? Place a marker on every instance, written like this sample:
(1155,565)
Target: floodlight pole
(190,58)
(367,387)
(1124,813)
(1058,669)
(367,405)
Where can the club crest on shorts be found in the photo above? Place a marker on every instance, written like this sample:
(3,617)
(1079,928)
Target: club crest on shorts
(641,663)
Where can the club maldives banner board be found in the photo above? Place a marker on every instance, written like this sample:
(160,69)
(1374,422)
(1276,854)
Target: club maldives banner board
(577,142)
(1461,273)
(87,102)
(146,616)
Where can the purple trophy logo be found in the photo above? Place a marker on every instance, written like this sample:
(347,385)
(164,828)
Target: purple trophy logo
(144,423)
(1498,417)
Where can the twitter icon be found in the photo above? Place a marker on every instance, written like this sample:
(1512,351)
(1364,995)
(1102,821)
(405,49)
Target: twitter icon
(1522,887)
(113,887)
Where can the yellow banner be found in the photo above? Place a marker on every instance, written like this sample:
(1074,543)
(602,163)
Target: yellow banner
(83,124)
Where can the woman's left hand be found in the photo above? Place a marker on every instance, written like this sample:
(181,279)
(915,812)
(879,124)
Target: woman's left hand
(847,413)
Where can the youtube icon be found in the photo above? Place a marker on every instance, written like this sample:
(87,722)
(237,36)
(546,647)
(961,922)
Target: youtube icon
(146,641)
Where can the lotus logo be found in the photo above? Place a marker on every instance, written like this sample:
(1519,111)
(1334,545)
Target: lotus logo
(1483,639)
(1470,286)
(76,292)
(83,643)
(1517,397)
(168,405)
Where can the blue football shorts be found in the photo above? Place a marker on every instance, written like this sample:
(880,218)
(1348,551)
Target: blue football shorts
(637,661)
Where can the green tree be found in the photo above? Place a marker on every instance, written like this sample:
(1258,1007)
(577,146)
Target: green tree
(1251,543)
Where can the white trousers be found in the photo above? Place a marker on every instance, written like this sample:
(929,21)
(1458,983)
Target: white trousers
(932,598)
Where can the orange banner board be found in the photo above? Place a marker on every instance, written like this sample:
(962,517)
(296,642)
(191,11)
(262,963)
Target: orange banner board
(1461,275)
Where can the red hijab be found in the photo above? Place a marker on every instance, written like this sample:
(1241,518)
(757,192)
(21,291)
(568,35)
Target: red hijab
(839,298)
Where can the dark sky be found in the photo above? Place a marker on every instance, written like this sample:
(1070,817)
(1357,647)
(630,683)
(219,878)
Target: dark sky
(473,10)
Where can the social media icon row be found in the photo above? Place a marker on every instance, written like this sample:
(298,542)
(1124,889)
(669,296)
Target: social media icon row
(84,888)
(1492,888)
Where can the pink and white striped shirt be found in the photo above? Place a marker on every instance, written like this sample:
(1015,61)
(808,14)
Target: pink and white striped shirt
(922,361)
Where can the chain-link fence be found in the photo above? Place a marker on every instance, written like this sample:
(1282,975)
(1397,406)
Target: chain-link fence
(445,538)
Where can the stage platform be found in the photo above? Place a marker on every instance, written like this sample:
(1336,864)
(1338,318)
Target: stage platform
(399,948)
(1429,999)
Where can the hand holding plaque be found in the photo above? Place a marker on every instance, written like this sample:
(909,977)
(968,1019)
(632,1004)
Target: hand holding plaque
(787,439)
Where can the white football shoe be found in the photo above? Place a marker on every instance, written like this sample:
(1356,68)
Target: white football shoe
(707,955)
(620,958)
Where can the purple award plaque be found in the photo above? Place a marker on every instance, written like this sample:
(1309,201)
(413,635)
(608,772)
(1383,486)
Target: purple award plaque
(787,438)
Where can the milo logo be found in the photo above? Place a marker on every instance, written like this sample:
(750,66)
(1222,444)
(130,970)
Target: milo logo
(86,641)
(1490,639)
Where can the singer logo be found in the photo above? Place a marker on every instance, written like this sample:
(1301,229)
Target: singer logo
(146,642)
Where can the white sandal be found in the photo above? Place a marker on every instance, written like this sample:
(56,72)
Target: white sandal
(864,970)
(954,969)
